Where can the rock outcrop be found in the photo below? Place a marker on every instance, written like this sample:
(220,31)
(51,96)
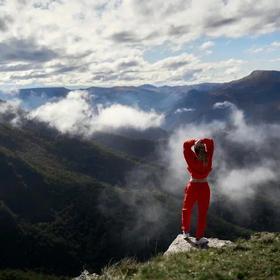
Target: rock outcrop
(178,245)
(85,275)
(184,245)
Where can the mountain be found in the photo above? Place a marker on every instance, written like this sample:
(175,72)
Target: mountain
(35,97)
(137,148)
(257,95)
(66,198)
(259,78)
(48,92)
(93,201)
(51,188)
(145,97)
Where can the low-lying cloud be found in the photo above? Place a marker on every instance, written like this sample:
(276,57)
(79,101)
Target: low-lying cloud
(243,158)
(11,112)
(245,161)
(76,114)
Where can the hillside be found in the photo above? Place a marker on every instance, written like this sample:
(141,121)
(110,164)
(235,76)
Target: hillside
(253,258)
(56,192)
(257,95)
(63,197)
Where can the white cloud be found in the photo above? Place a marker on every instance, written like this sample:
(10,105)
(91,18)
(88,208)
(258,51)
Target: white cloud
(237,181)
(243,132)
(74,114)
(182,110)
(241,183)
(117,116)
(256,50)
(224,104)
(274,46)
(207,45)
(80,41)
(10,111)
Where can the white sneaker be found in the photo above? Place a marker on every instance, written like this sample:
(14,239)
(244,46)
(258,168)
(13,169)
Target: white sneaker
(201,241)
(186,235)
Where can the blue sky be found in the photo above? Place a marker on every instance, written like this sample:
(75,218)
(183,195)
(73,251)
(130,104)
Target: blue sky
(131,42)
(226,48)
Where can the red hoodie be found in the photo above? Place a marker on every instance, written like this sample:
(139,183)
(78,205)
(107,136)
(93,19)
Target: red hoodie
(195,166)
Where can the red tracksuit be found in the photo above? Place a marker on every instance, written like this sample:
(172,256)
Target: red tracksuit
(197,191)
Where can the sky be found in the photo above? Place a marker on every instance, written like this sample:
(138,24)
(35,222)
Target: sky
(81,43)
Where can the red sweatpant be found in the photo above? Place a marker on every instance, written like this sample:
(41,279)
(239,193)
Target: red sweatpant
(200,192)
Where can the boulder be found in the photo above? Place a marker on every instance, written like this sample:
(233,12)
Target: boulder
(184,245)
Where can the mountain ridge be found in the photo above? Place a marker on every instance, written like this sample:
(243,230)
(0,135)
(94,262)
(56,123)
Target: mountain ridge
(255,74)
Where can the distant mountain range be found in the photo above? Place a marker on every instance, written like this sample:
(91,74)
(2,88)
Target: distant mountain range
(67,202)
(256,94)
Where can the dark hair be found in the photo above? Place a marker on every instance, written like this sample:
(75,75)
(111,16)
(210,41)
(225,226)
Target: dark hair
(199,148)
(201,153)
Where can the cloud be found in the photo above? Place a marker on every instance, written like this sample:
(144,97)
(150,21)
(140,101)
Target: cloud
(177,30)
(215,23)
(207,45)
(242,131)
(85,37)
(224,104)
(239,184)
(176,62)
(242,166)
(124,37)
(242,163)
(24,50)
(127,63)
(4,23)
(75,114)
(11,112)
(274,46)
(190,74)
(17,67)
(182,110)
(117,116)
(46,4)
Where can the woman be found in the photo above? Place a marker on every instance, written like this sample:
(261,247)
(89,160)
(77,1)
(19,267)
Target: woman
(199,166)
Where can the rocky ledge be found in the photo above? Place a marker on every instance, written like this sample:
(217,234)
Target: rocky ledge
(184,245)
(178,245)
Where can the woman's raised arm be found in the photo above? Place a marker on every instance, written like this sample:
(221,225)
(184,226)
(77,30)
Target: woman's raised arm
(188,152)
(209,146)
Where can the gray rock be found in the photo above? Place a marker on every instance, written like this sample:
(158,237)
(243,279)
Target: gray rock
(184,245)
(85,275)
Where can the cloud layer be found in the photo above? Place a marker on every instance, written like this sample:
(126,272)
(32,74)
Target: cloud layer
(110,42)
(75,114)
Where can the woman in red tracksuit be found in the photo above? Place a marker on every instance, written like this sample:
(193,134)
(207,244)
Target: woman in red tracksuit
(197,189)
